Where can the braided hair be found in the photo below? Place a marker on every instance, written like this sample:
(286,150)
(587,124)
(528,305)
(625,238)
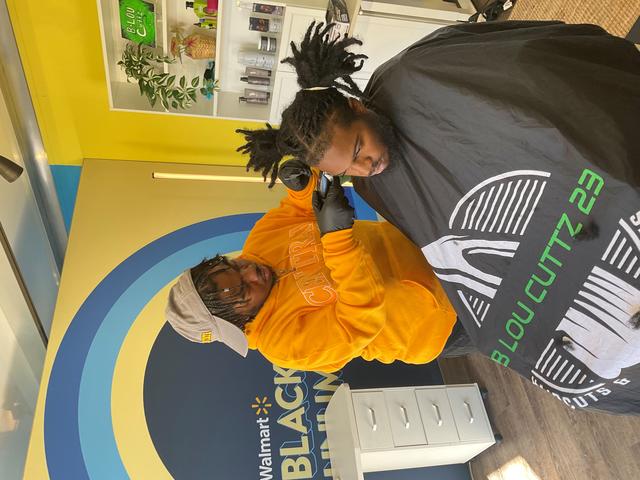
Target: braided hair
(304,134)
(203,276)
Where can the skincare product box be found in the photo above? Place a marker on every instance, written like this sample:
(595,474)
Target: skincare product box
(338,15)
(263,8)
(273,25)
(257,72)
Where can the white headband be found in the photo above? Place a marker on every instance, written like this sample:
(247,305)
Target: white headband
(313,89)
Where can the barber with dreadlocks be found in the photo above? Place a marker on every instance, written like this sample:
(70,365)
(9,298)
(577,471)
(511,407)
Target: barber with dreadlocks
(312,289)
(509,152)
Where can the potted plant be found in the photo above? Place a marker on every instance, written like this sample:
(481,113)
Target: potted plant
(140,65)
(209,84)
(195,46)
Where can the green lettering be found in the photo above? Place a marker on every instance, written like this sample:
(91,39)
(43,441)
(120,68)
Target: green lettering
(498,357)
(592,178)
(554,239)
(528,311)
(537,299)
(512,348)
(546,255)
(564,220)
(549,281)
(519,329)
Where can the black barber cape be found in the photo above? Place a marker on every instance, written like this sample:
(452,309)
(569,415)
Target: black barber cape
(519,146)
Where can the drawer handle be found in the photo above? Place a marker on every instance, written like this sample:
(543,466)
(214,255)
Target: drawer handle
(438,417)
(469,412)
(374,424)
(406,417)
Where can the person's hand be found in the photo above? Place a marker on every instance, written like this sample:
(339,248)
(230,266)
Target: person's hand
(295,175)
(333,213)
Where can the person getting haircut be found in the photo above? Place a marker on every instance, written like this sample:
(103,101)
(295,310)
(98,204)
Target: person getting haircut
(508,152)
(328,97)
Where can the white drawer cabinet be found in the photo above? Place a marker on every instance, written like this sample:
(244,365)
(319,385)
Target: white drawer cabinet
(469,414)
(372,420)
(437,417)
(404,417)
(393,428)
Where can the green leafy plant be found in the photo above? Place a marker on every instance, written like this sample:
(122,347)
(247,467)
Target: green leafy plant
(140,64)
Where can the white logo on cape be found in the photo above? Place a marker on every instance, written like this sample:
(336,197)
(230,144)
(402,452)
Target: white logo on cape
(601,337)
(500,207)
(598,323)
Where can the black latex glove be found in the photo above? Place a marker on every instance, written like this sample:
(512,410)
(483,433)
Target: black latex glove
(295,175)
(334,212)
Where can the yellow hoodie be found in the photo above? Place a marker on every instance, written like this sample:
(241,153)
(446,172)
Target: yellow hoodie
(367,291)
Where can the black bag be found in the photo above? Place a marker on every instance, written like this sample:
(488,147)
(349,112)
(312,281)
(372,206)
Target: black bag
(492,11)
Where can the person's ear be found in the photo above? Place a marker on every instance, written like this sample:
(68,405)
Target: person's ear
(357,106)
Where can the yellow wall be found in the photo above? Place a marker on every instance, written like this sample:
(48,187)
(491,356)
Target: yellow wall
(60,45)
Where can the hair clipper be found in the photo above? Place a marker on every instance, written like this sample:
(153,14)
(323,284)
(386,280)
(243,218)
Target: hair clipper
(324,181)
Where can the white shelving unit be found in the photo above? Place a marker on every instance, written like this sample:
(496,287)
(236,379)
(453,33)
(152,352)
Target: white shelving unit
(385,26)
(232,36)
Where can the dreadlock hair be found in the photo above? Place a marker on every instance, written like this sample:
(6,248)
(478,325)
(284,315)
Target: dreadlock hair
(304,134)
(203,276)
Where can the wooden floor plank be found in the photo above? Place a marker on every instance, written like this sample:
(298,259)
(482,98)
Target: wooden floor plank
(556,442)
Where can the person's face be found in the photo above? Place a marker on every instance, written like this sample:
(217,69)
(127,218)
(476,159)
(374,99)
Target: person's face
(358,149)
(247,283)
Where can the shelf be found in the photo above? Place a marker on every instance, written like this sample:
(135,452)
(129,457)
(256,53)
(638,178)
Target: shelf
(232,36)
(222,5)
(165,33)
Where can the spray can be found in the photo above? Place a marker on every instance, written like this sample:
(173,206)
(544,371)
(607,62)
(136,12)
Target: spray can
(257,59)
(257,101)
(257,72)
(267,44)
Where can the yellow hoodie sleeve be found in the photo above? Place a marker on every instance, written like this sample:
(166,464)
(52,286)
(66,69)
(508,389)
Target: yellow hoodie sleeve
(293,207)
(324,339)
(296,203)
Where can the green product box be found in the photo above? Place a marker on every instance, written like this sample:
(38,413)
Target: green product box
(138,21)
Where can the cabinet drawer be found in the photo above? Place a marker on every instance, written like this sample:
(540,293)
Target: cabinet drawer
(372,420)
(295,24)
(469,413)
(404,417)
(437,417)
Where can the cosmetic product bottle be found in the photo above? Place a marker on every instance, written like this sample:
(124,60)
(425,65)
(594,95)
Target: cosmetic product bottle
(256,80)
(200,9)
(262,8)
(272,25)
(252,93)
(207,23)
(257,101)
(257,72)
(267,44)
(257,59)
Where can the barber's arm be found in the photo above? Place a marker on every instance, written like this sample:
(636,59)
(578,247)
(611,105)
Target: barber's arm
(325,338)
(299,180)
(359,311)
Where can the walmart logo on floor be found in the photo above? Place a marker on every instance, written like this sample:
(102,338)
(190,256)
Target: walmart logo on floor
(265,462)
(261,405)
